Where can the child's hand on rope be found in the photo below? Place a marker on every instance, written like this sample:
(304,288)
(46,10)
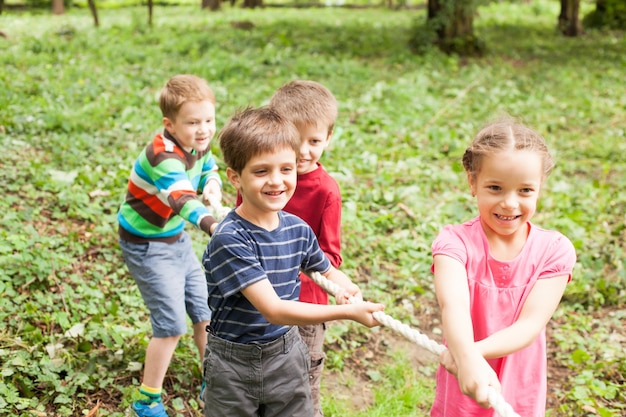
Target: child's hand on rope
(348,294)
(212,191)
(213,197)
(364,313)
(475,377)
(447,361)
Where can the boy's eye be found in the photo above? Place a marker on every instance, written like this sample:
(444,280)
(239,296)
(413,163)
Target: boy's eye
(526,190)
(493,187)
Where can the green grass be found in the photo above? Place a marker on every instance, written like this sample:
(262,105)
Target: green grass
(77,104)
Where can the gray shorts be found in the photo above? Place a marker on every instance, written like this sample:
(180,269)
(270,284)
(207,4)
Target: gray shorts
(267,380)
(171,281)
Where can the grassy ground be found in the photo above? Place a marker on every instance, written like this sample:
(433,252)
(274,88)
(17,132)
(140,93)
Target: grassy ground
(78,103)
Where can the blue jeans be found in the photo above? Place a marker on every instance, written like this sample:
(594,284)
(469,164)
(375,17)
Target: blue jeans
(171,281)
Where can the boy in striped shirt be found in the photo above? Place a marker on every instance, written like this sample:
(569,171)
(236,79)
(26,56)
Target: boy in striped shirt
(255,361)
(162,195)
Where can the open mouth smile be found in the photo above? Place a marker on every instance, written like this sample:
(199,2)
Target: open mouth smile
(506,218)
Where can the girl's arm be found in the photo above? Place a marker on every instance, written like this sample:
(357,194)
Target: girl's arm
(284,312)
(472,370)
(538,308)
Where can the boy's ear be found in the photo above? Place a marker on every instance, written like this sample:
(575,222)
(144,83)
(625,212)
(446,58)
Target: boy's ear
(233,177)
(167,123)
(328,136)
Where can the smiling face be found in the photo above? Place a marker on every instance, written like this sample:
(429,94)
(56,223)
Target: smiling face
(194,125)
(266,184)
(314,140)
(507,189)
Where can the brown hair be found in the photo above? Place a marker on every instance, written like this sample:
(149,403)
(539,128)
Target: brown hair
(505,134)
(306,103)
(253,132)
(181,89)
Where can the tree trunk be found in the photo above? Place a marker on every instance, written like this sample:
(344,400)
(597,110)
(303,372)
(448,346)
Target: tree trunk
(569,23)
(58,7)
(150,9)
(94,12)
(212,5)
(453,22)
(252,4)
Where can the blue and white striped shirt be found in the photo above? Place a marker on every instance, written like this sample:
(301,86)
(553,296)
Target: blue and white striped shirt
(240,254)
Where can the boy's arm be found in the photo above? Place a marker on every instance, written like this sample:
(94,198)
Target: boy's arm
(284,312)
(472,370)
(172,180)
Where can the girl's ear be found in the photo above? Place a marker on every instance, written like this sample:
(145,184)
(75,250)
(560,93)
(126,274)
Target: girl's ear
(471,180)
(233,177)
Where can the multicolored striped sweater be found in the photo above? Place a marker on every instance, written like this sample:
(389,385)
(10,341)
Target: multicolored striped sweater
(163,192)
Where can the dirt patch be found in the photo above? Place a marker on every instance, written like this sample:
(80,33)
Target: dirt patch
(354,383)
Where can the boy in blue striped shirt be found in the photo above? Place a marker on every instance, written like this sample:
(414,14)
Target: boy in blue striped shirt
(255,362)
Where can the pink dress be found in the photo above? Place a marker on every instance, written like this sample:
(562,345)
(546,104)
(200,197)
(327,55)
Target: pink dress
(498,290)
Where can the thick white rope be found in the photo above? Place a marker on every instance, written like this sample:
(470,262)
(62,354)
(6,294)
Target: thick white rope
(496,400)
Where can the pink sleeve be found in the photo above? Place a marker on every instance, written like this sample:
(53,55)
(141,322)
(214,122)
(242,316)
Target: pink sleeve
(561,258)
(449,243)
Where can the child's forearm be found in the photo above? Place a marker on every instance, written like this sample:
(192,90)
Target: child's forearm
(536,312)
(340,279)
(508,340)
(459,335)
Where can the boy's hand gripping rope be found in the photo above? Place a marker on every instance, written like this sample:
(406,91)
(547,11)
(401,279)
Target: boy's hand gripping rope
(495,398)
(219,211)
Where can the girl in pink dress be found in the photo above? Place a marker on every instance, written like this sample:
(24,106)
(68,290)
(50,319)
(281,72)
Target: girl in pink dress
(498,279)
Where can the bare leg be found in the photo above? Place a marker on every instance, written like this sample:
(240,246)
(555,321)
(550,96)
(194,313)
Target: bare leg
(158,357)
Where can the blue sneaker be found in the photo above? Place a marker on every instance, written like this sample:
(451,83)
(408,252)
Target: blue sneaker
(144,409)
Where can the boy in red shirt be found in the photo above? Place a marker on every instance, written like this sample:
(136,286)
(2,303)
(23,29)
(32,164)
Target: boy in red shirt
(317,200)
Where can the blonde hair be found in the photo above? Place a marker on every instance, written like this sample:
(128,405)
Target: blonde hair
(181,89)
(505,134)
(253,132)
(306,103)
